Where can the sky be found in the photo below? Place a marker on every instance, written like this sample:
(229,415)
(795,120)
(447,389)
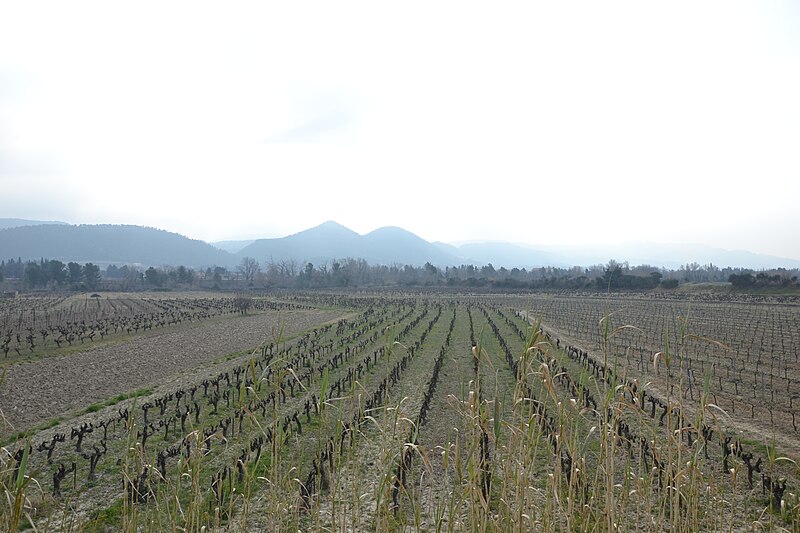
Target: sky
(544,123)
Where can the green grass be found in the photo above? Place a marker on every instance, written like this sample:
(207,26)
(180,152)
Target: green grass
(95,407)
(102,519)
(22,435)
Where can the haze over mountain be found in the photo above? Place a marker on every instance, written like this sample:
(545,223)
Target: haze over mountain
(6,223)
(387,245)
(30,239)
(232,246)
(512,255)
(668,255)
(685,115)
(107,243)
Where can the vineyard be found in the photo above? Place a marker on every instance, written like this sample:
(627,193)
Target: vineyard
(394,412)
(37,326)
(746,357)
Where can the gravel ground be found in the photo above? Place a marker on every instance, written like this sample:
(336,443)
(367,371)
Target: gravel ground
(38,391)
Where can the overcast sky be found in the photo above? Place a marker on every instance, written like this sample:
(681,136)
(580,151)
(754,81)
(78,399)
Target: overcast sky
(557,123)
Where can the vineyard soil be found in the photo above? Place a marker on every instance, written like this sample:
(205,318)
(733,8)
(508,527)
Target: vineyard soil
(392,411)
(35,392)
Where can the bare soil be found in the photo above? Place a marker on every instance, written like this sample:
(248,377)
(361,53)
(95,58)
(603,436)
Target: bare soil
(35,392)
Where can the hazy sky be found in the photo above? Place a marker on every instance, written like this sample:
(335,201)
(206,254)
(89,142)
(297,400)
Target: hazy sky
(556,123)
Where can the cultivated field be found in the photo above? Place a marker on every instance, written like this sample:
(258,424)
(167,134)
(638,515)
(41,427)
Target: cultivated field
(394,412)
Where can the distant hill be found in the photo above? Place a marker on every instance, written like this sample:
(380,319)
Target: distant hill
(110,244)
(666,255)
(331,240)
(637,253)
(232,246)
(391,244)
(321,243)
(447,248)
(509,255)
(6,223)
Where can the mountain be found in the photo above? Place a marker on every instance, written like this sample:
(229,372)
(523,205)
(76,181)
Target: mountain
(508,255)
(6,223)
(391,244)
(447,248)
(107,243)
(233,247)
(321,243)
(388,245)
(666,255)
(331,240)
(635,253)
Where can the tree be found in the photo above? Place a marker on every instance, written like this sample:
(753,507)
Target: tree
(91,276)
(112,272)
(742,281)
(431,270)
(306,277)
(249,268)
(153,277)
(185,275)
(132,277)
(55,271)
(669,283)
(33,274)
(74,272)
(612,277)
(287,267)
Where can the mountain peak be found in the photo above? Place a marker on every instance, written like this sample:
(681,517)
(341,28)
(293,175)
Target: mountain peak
(331,224)
(391,230)
(328,225)
(386,245)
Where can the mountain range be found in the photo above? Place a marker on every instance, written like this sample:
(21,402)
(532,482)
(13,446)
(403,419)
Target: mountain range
(17,222)
(127,244)
(105,244)
(386,246)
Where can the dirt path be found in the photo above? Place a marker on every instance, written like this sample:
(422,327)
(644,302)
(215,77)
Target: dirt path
(35,392)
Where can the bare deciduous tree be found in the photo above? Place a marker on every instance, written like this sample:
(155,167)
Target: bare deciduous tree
(249,268)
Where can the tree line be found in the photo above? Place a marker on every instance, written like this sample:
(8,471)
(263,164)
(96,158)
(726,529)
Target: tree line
(47,273)
(763,280)
(353,272)
(614,275)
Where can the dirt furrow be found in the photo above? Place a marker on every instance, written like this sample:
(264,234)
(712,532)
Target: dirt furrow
(35,392)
